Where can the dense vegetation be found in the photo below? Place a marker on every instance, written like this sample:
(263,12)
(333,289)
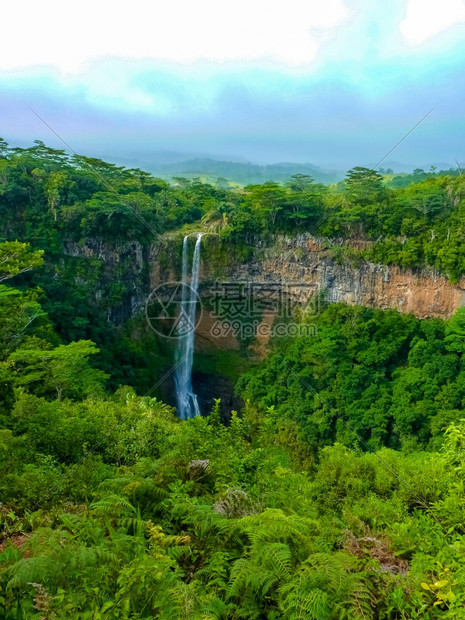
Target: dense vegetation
(48,198)
(396,380)
(336,492)
(64,203)
(111,508)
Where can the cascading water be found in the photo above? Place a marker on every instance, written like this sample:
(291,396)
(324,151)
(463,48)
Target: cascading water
(187,405)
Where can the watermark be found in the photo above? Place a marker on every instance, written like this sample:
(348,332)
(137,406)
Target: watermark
(173,310)
(263,310)
(244,310)
(262,329)
(253,300)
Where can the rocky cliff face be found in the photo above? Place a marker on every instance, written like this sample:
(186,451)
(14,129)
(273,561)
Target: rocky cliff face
(304,260)
(124,269)
(301,260)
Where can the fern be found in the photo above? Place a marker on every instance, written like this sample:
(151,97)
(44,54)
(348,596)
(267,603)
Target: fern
(217,609)
(360,598)
(313,605)
(112,505)
(256,575)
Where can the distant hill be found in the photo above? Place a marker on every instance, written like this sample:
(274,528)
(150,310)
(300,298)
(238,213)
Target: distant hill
(400,168)
(238,171)
(243,173)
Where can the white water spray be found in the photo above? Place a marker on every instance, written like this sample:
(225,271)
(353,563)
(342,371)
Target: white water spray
(187,405)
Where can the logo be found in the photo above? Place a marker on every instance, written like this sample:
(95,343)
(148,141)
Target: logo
(173,310)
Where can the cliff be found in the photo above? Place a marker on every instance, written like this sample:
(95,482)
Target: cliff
(305,261)
(298,261)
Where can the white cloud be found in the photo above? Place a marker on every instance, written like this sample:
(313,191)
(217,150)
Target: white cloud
(68,34)
(426,18)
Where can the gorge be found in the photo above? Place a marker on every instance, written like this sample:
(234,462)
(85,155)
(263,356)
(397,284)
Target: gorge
(300,259)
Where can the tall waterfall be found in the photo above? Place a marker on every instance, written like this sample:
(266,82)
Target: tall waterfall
(187,405)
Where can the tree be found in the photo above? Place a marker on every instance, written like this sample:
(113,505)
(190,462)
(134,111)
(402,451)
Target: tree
(455,332)
(57,187)
(3,148)
(268,199)
(364,185)
(17,258)
(425,198)
(300,182)
(304,207)
(64,371)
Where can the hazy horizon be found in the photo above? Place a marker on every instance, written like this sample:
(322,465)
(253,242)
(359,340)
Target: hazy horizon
(333,86)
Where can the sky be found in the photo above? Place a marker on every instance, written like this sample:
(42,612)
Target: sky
(335,83)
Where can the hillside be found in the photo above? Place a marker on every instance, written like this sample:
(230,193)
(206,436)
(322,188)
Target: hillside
(327,483)
(243,173)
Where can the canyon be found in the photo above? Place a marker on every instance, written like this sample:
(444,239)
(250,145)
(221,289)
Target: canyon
(299,260)
(292,264)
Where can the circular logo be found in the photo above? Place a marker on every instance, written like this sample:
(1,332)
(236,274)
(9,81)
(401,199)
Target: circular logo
(173,310)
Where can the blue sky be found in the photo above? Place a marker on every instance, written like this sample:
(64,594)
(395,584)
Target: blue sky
(334,83)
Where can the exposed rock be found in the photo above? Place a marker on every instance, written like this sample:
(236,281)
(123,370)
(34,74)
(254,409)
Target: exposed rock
(125,264)
(293,261)
(425,293)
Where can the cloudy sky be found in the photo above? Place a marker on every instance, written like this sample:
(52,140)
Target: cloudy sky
(332,82)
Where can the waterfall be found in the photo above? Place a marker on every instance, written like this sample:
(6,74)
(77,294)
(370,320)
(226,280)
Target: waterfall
(187,405)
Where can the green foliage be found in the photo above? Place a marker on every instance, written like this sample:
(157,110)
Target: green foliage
(388,377)
(63,371)
(337,492)
(98,222)
(17,258)
(170,536)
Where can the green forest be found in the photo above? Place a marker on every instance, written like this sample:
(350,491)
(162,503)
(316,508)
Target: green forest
(336,490)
